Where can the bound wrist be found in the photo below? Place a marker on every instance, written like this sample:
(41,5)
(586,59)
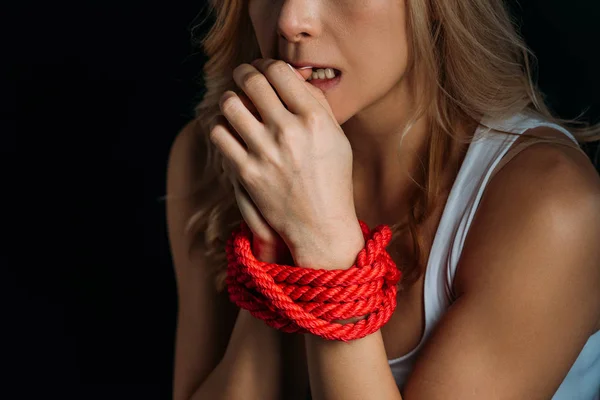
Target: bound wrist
(351,320)
(332,251)
(271,251)
(277,295)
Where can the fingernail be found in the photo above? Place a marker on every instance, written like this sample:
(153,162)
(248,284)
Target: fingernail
(298,74)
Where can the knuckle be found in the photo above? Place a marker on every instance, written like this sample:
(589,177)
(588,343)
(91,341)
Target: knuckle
(249,175)
(215,135)
(214,132)
(273,158)
(214,138)
(239,69)
(253,80)
(313,118)
(229,104)
(286,137)
(277,67)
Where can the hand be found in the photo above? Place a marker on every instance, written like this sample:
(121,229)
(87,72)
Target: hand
(294,161)
(267,245)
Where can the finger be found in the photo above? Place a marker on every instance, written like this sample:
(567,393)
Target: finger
(260,92)
(303,74)
(251,214)
(232,150)
(294,92)
(241,119)
(248,104)
(221,120)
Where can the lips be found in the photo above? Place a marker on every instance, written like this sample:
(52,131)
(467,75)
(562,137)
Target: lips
(305,64)
(306,69)
(325,85)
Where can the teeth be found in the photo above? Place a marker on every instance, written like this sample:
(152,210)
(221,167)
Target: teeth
(321,73)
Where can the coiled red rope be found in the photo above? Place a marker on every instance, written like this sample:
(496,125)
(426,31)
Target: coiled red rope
(305,300)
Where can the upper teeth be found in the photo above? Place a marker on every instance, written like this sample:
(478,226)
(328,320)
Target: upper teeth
(322,74)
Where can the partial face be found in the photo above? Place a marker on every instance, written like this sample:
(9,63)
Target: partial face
(363,41)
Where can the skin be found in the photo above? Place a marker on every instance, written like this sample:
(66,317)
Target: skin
(296,141)
(374,98)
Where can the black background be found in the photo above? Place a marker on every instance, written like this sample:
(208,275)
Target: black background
(96,93)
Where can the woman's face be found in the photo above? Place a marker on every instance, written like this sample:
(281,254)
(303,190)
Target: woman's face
(364,41)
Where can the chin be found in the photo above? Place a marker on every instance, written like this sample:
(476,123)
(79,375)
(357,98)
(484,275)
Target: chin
(341,111)
(342,114)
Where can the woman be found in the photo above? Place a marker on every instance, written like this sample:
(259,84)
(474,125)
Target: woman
(418,114)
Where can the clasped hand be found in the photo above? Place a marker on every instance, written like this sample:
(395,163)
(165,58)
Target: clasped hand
(281,142)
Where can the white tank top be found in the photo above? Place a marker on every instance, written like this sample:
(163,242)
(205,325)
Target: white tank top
(483,156)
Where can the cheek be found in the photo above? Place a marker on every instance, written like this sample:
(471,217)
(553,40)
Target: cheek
(372,34)
(375,46)
(380,44)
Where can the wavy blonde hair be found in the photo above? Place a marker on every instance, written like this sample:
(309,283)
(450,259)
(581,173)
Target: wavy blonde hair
(471,63)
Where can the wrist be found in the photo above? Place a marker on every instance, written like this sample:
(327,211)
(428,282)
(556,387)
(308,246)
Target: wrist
(271,252)
(337,250)
(352,320)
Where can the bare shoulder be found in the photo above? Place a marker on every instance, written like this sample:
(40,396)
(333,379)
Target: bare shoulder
(187,154)
(187,195)
(205,317)
(542,208)
(184,171)
(562,168)
(527,284)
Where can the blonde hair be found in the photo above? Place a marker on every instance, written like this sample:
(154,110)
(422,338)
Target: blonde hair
(470,60)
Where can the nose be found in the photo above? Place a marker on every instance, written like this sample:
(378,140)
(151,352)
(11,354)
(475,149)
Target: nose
(298,20)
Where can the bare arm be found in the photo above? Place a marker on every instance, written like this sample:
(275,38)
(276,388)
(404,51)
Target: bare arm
(528,296)
(251,367)
(219,353)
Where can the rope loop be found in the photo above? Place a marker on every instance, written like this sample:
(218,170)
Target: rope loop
(305,300)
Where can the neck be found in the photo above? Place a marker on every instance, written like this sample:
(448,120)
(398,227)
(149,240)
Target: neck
(385,165)
(389,168)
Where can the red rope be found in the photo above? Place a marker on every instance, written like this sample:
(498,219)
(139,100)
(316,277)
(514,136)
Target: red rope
(305,300)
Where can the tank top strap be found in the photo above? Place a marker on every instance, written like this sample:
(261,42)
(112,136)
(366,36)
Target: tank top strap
(497,142)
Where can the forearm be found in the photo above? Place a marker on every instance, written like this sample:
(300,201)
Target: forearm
(251,367)
(347,371)
(344,371)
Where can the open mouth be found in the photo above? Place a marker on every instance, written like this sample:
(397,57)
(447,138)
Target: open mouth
(323,74)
